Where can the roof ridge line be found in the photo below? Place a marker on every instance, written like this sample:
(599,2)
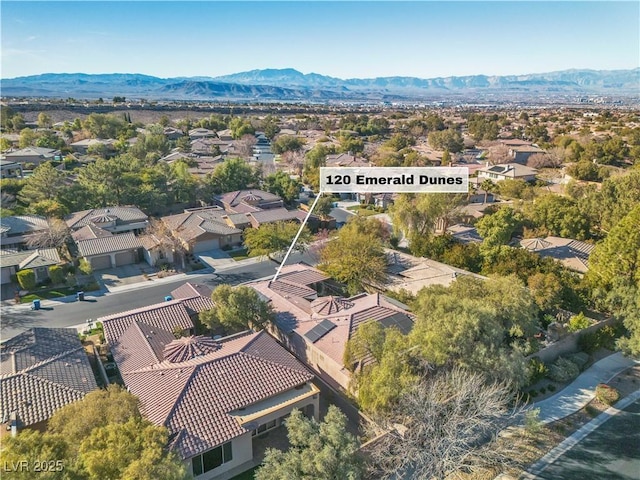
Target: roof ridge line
(46,361)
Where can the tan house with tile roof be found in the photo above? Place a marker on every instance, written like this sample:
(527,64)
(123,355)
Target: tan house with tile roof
(42,370)
(573,254)
(38,260)
(316,327)
(110,251)
(16,230)
(213,395)
(113,219)
(202,229)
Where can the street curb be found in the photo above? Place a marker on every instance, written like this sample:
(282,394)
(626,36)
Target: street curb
(569,442)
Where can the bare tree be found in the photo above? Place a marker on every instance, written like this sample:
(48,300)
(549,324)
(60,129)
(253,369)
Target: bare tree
(168,243)
(557,156)
(55,236)
(499,154)
(539,160)
(446,424)
(245,145)
(294,161)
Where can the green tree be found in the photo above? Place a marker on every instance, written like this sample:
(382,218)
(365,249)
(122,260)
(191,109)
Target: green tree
(237,309)
(27,279)
(234,174)
(473,324)
(559,216)
(27,138)
(44,120)
(418,216)
(319,451)
(275,238)
(283,185)
(33,446)
(134,449)
(76,421)
(446,158)
(356,257)
(496,229)
(5,144)
(46,183)
(287,143)
(324,206)
(240,127)
(56,274)
(578,322)
(547,290)
(446,140)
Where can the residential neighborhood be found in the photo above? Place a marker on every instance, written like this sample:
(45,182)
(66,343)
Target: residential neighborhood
(182,296)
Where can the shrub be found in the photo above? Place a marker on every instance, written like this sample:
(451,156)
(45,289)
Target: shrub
(537,370)
(607,394)
(533,393)
(563,370)
(580,359)
(578,322)
(532,423)
(85,267)
(589,342)
(608,334)
(27,279)
(56,274)
(543,391)
(551,387)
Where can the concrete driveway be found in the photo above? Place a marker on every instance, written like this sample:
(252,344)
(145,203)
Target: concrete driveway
(125,275)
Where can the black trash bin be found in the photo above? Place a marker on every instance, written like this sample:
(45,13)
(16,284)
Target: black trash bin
(80,296)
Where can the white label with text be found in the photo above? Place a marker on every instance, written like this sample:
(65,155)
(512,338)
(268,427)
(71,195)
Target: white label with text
(394,179)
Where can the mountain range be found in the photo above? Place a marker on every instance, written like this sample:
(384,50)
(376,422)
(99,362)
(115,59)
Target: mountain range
(291,85)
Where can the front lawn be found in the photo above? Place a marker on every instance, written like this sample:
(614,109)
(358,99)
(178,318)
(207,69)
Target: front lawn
(239,254)
(57,292)
(365,212)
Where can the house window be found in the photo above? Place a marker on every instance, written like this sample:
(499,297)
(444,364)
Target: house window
(212,459)
(265,427)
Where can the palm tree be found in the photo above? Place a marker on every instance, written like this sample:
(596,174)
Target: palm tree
(487,185)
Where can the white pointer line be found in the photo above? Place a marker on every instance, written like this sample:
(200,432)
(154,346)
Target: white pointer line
(304,222)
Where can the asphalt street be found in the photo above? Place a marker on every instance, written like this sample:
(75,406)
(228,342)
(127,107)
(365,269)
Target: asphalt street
(611,452)
(18,318)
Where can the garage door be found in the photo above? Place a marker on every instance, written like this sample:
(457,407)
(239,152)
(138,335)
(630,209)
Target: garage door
(6,275)
(100,263)
(206,245)
(125,258)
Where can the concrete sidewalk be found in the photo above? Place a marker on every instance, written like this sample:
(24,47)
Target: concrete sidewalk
(583,389)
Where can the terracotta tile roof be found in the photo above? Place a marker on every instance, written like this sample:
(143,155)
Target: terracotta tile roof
(190,225)
(163,316)
(189,290)
(192,391)
(43,369)
(112,244)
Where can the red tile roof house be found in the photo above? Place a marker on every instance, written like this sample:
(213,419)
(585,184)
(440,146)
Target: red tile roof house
(213,395)
(316,329)
(245,201)
(42,370)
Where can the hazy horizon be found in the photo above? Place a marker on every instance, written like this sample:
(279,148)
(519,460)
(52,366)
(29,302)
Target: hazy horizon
(343,40)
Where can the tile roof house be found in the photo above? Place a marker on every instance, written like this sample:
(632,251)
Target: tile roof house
(245,201)
(110,250)
(201,133)
(202,229)
(346,160)
(82,146)
(113,219)
(412,274)
(35,155)
(513,171)
(214,395)
(10,169)
(42,370)
(316,328)
(464,233)
(573,254)
(38,260)
(15,231)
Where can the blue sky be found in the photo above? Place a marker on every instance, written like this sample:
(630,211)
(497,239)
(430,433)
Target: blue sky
(346,39)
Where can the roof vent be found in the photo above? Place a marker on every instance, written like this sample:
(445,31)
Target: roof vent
(187,348)
(330,305)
